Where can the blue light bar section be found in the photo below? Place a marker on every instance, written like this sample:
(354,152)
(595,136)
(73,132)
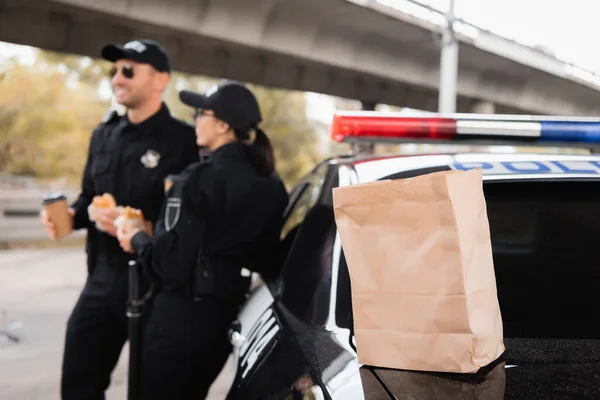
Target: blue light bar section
(570,131)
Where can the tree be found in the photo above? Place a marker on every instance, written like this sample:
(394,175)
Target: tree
(45,125)
(294,138)
(49,109)
(78,70)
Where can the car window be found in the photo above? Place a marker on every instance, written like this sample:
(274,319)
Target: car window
(343,309)
(307,198)
(545,239)
(303,197)
(308,236)
(306,276)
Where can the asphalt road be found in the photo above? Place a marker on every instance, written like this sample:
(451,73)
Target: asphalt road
(38,289)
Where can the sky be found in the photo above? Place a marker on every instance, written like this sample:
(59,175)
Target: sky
(567,28)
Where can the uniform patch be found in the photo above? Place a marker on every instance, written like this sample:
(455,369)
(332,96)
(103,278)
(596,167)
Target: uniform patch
(150,159)
(172,213)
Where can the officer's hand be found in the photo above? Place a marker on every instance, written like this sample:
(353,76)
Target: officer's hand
(124,233)
(148,228)
(49,225)
(106,220)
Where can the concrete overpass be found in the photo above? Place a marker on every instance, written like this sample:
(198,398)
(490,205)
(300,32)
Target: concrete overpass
(363,51)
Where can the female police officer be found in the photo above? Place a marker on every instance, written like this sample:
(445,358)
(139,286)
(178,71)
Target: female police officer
(221,219)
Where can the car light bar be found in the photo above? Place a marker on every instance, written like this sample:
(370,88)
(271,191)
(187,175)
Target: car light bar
(371,126)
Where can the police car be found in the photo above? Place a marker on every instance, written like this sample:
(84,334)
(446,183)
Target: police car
(293,338)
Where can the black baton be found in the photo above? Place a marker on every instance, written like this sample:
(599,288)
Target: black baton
(134,313)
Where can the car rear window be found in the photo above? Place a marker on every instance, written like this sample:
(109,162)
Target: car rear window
(546,245)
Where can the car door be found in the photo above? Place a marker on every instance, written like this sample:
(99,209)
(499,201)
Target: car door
(259,333)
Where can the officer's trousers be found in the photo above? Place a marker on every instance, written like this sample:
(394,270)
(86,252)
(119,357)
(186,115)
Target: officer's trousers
(96,333)
(185,346)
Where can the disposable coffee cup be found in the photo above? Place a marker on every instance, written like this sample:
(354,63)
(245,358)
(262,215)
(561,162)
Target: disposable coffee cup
(57,211)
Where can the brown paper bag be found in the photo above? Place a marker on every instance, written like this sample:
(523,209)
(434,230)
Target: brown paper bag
(420,260)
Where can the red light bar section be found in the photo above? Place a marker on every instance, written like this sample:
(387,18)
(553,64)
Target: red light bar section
(382,126)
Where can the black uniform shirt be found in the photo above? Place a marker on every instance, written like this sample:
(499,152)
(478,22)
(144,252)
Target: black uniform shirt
(225,205)
(130,161)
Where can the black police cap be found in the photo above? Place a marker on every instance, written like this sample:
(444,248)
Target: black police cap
(231,101)
(142,50)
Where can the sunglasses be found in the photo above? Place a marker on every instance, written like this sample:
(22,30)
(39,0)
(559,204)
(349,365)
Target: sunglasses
(202,113)
(126,71)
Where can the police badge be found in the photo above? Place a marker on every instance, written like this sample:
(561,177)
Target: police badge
(172,213)
(150,159)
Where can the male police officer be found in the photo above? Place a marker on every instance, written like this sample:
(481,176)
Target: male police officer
(129,157)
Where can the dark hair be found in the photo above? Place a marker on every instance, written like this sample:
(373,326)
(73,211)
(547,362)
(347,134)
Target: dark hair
(261,151)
